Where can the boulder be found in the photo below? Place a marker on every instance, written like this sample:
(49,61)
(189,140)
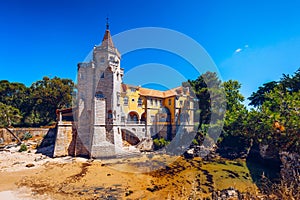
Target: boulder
(146,144)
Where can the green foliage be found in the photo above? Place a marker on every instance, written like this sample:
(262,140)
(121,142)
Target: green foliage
(23,147)
(48,95)
(210,97)
(259,97)
(9,115)
(236,113)
(277,118)
(160,143)
(26,136)
(34,105)
(195,142)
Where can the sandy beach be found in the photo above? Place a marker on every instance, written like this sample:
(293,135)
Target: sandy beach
(29,176)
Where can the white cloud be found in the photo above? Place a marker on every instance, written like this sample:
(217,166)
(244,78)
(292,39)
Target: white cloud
(238,50)
(241,49)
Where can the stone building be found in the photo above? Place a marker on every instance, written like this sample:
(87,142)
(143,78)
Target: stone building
(111,117)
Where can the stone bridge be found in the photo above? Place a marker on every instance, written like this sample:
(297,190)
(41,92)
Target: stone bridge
(135,130)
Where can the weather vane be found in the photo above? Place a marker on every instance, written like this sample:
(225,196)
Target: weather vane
(107,24)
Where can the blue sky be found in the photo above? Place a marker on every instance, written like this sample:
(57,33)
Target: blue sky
(249,41)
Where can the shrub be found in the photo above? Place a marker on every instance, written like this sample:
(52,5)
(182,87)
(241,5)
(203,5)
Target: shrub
(195,142)
(27,136)
(160,143)
(23,147)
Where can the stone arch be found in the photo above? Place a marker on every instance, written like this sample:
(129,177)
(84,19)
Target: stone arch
(164,115)
(130,137)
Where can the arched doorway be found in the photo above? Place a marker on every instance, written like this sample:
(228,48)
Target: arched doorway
(143,118)
(133,117)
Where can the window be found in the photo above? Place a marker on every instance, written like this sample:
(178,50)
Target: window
(170,102)
(140,102)
(102,60)
(132,89)
(118,98)
(132,100)
(160,102)
(109,114)
(152,118)
(99,95)
(155,102)
(102,75)
(151,102)
(181,102)
(123,119)
(125,101)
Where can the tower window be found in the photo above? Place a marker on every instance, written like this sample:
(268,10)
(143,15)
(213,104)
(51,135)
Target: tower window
(109,114)
(102,60)
(99,95)
(122,118)
(102,75)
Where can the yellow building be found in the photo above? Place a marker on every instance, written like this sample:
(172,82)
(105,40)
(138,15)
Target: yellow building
(161,111)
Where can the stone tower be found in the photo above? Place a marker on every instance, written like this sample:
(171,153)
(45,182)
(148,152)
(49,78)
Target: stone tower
(99,110)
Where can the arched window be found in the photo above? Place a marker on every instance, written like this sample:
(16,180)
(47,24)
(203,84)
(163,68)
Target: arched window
(109,114)
(133,117)
(99,95)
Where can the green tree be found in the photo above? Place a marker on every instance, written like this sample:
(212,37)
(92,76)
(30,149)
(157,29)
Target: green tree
(9,115)
(47,95)
(259,97)
(276,122)
(236,113)
(280,116)
(210,97)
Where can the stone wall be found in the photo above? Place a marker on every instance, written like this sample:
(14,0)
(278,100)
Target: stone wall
(19,132)
(65,140)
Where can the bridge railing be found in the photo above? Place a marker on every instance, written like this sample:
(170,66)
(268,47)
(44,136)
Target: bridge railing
(134,122)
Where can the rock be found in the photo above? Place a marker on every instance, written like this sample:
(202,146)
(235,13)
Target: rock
(290,166)
(29,165)
(146,144)
(226,194)
(129,192)
(155,188)
(38,159)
